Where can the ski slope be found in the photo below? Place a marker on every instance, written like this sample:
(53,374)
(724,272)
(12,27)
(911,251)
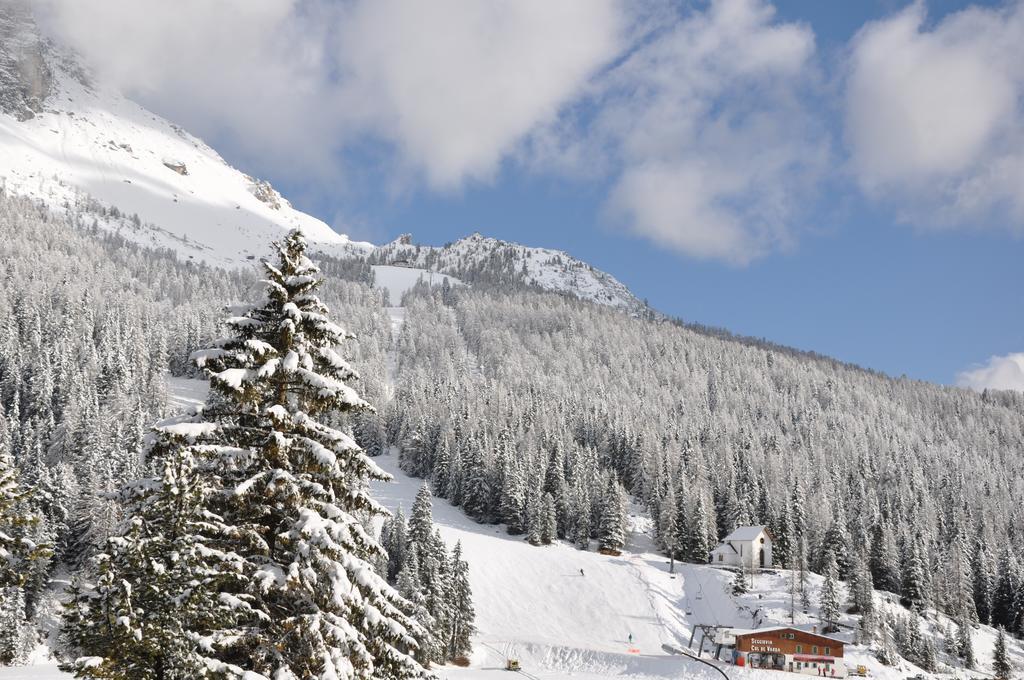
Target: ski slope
(566,612)
(533,604)
(399,280)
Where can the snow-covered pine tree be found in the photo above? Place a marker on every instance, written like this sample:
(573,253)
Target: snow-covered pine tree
(802,572)
(668,529)
(798,513)
(512,502)
(582,512)
(476,486)
(17,634)
(533,516)
(984,582)
(549,520)
(158,578)
(914,593)
(884,560)
(835,542)
(395,539)
(964,643)
(959,585)
(611,534)
(441,475)
(463,614)
(421,521)
(410,587)
(435,570)
(17,550)
(927,659)
(783,550)
(698,541)
(862,597)
(1000,660)
(1008,583)
(739,583)
(289,484)
(829,598)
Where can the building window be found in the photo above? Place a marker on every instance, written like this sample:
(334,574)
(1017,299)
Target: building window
(814,649)
(719,557)
(828,651)
(799,649)
(762,540)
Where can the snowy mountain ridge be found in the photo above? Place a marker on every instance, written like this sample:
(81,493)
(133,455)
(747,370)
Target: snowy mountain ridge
(480,258)
(68,142)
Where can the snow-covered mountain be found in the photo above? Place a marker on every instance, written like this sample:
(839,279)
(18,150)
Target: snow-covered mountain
(68,141)
(72,143)
(477,258)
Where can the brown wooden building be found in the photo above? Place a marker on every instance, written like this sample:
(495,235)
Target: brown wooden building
(790,649)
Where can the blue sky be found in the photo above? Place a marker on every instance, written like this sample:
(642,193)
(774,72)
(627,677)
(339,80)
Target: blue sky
(843,177)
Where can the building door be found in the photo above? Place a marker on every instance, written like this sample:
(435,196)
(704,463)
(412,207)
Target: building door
(761,557)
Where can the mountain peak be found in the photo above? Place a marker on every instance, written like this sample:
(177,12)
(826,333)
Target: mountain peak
(482,259)
(79,146)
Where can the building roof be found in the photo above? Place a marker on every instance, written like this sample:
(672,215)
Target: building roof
(747,533)
(738,632)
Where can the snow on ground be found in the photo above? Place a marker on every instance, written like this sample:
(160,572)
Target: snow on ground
(535,605)
(42,672)
(185,394)
(398,280)
(558,609)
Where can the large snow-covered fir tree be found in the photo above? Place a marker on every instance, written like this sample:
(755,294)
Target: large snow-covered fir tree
(829,597)
(284,494)
(1001,666)
(612,529)
(290,484)
(436,582)
(157,580)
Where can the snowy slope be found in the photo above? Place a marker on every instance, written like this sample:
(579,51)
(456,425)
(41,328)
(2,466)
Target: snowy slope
(41,672)
(533,604)
(65,139)
(398,280)
(500,262)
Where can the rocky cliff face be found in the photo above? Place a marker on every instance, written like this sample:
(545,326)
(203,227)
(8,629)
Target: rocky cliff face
(25,77)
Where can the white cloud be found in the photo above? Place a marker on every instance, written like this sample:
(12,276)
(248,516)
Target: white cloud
(456,86)
(695,118)
(250,73)
(934,119)
(1000,373)
(715,143)
(453,87)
